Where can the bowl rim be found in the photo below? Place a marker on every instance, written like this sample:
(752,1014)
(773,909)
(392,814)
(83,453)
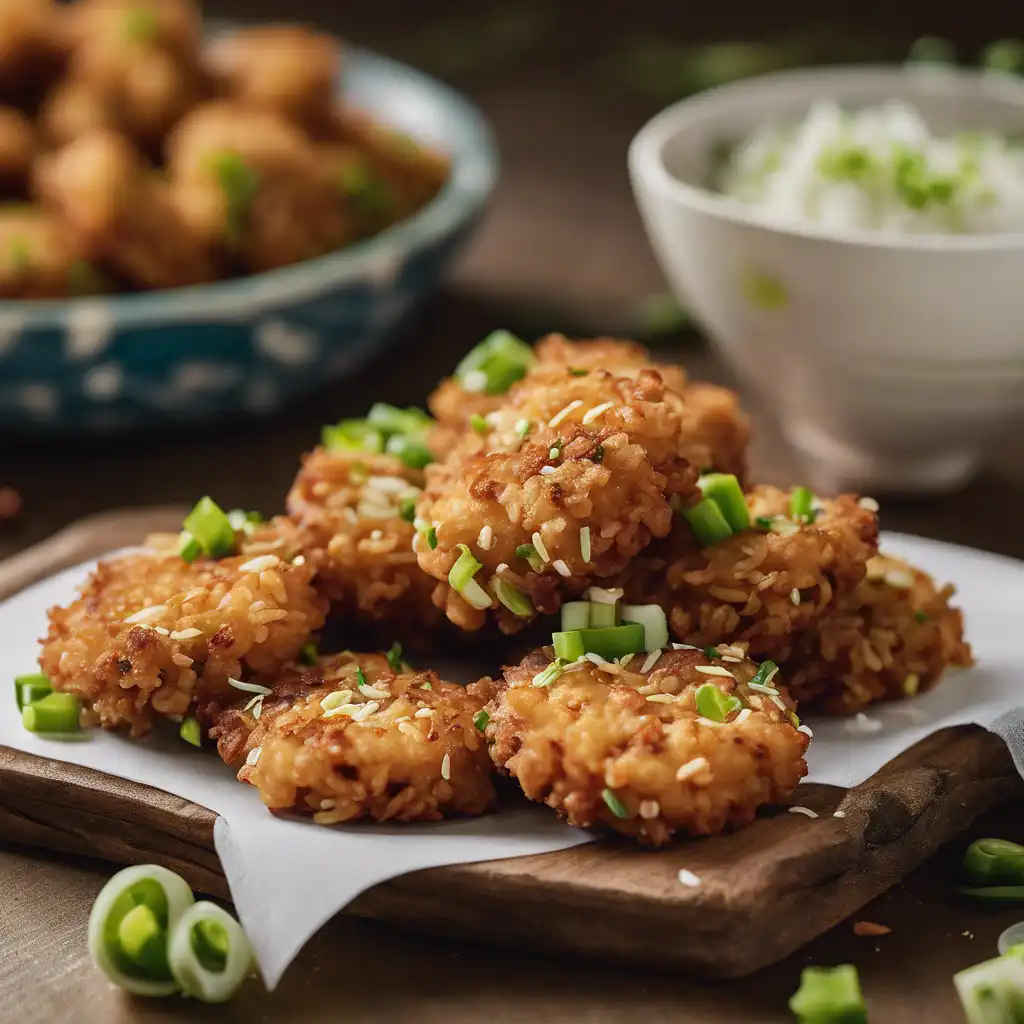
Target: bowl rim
(474,169)
(647,166)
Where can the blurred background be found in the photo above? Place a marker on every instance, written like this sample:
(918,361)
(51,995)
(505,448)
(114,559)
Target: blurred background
(565,86)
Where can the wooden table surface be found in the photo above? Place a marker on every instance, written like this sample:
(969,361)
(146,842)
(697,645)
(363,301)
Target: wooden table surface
(562,249)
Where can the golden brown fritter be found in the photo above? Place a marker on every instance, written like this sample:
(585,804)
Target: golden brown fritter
(121,214)
(18,149)
(349,509)
(627,748)
(759,587)
(587,511)
(288,69)
(889,639)
(350,738)
(250,183)
(39,258)
(152,635)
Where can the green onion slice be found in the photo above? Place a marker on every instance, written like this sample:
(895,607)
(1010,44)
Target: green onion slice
(715,705)
(801,505)
(407,507)
(352,436)
(575,615)
(209,525)
(390,420)
(480,720)
(411,450)
(992,992)
(725,491)
(121,940)
(529,553)
(55,713)
(189,549)
(994,862)
(30,688)
(394,657)
(604,614)
(308,653)
(548,675)
(614,804)
(652,617)
(765,673)
(460,577)
(495,364)
(479,425)
(568,645)
(209,953)
(829,995)
(513,598)
(191,733)
(610,642)
(240,184)
(708,522)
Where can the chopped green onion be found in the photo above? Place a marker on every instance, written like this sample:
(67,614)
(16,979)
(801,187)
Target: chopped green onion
(479,424)
(166,896)
(994,862)
(801,504)
(1004,55)
(652,617)
(609,642)
(308,653)
(140,24)
(206,932)
(548,675)
(210,526)
(391,420)
(480,720)
(932,50)
(372,198)
(922,617)
(708,523)
(460,578)
(712,703)
(495,364)
(725,491)
(993,893)
(598,455)
(352,436)
(30,688)
(407,507)
(711,653)
(829,995)
(992,992)
(529,553)
(426,685)
(575,615)
(514,599)
(240,184)
(191,733)
(54,713)
(604,614)
(430,534)
(189,549)
(575,371)
(764,522)
(614,804)
(412,451)
(394,657)
(765,673)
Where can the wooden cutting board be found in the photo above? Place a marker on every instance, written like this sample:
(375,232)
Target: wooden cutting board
(766,890)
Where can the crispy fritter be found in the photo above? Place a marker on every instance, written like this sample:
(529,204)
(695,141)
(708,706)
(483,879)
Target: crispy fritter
(586,511)
(250,183)
(348,507)
(121,214)
(350,738)
(760,587)
(889,639)
(152,635)
(285,68)
(628,749)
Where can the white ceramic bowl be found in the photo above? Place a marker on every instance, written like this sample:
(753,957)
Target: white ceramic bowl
(893,362)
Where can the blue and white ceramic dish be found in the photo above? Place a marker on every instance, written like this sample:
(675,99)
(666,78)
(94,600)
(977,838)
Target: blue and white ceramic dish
(189,354)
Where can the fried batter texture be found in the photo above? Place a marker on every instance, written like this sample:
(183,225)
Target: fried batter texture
(762,586)
(152,635)
(349,511)
(889,639)
(350,738)
(628,749)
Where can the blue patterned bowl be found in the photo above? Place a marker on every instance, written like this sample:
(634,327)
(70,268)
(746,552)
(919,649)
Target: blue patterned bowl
(251,344)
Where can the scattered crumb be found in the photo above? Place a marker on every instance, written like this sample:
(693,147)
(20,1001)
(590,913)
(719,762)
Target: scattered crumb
(870,928)
(10,503)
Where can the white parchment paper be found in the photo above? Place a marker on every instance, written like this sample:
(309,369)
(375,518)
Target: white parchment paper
(288,877)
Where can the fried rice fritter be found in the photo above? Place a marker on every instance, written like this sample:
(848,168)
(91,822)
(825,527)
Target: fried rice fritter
(348,507)
(586,510)
(627,748)
(39,257)
(350,738)
(889,639)
(760,587)
(152,635)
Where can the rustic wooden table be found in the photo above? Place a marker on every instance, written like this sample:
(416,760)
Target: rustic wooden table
(562,249)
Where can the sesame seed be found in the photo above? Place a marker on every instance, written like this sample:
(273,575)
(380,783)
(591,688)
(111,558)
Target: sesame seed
(253,756)
(806,730)
(538,543)
(350,515)
(731,660)
(868,503)
(548,470)
(797,809)
(839,814)
(597,412)
(585,543)
(561,568)
(691,768)
(794,596)
(446,767)
(502,567)
(689,879)
(408,729)
(562,413)
(522,428)
(259,563)
(146,614)
(299,560)
(485,538)
(685,647)
(186,634)
(327,805)
(649,809)
(650,661)
(714,670)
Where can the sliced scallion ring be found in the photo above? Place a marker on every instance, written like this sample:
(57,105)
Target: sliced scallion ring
(480,720)
(829,994)
(708,522)
(191,733)
(992,992)
(495,364)
(30,688)
(715,705)
(575,615)
(1011,941)
(994,862)
(391,420)
(56,714)
(209,953)
(725,491)
(568,645)
(610,643)
(121,938)
(308,653)
(189,549)
(460,578)
(652,617)
(209,525)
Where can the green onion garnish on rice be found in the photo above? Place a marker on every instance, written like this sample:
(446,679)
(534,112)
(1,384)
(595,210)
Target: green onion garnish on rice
(529,553)
(708,523)
(715,705)
(614,804)
(478,424)
(829,995)
(240,184)
(460,578)
(191,733)
(394,657)
(411,450)
(765,673)
(209,526)
(352,436)
(801,505)
(480,720)
(725,491)
(56,714)
(514,599)
(495,364)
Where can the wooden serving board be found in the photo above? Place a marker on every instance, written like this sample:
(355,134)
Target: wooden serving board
(766,890)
